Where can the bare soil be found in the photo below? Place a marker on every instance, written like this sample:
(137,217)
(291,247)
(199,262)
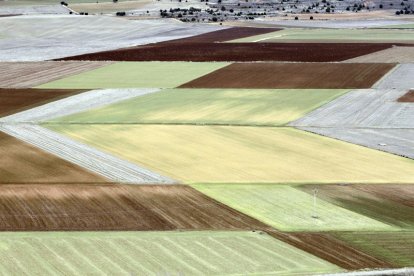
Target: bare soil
(403,194)
(407,98)
(331,249)
(207,51)
(23,163)
(293,75)
(80,207)
(16,100)
(30,74)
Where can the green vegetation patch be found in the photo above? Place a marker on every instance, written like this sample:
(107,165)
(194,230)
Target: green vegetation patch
(211,106)
(137,74)
(333,34)
(154,253)
(395,247)
(289,209)
(231,154)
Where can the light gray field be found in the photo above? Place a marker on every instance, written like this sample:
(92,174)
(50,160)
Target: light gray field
(44,37)
(395,54)
(400,77)
(94,160)
(74,104)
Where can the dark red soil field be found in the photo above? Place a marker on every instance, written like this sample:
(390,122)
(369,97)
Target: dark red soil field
(407,98)
(293,75)
(23,163)
(114,207)
(331,249)
(201,51)
(16,100)
(224,35)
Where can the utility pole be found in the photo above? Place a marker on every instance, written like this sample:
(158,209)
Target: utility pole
(315,213)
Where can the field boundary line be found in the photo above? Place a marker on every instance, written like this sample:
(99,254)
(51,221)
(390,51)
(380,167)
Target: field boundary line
(408,271)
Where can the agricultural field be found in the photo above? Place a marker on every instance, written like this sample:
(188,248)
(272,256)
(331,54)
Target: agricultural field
(209,106)
(334,35)
(395,54)
(221,153)
(136,74)
(289,209)
(407,98)
(293,76)
(195,253)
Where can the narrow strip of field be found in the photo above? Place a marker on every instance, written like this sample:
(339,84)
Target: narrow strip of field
(102,163)
(80,207)
(396,247)
(334,35)
(137,74)
(17,100)
(206,106)
(208,51)
(243,154)
(30,74)
(73,104)
(366,203)
(329,248)
(188,253)
(23,163)
(392,55)
(289,209)
(407,98)
(293,76)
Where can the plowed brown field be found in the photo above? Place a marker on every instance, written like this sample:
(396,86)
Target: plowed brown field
(114,207)
(407,98)
(331,249)
(30,74)
(293,75)
(23,163)
(202,51)
(16,100)
(403,194)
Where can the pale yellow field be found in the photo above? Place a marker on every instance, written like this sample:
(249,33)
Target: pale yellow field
(243,154)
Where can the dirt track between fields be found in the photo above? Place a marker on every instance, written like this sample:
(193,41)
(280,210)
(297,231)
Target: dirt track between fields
(23,163)
(293,75)
(202,51)
(17,100)
(407,98)
(114,207)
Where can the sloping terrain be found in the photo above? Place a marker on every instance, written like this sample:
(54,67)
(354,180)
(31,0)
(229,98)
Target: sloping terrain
(293,75)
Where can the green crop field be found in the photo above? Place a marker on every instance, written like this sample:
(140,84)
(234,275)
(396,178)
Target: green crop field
(394,247)
(153,253)
(399,26)
(242,154)
(137,74)
(333,34)
(210,106)
(288,209)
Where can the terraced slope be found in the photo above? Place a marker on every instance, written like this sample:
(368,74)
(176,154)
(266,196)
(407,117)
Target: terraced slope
(23,163)
(98,207)
(209,106)
(243,154)
(289,209)
(137,74)
(189,253)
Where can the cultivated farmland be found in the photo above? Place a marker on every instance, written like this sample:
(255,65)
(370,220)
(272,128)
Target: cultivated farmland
(195,253)
(80,207)
(402,194)
(16,100)
(23,163)
(242,154)
(137,74)
(293,75)
(289,209)
(396,248)
(395,54)
(407,98)
(209,106)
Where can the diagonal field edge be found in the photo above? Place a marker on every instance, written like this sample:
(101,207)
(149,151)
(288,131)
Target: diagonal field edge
(95,160)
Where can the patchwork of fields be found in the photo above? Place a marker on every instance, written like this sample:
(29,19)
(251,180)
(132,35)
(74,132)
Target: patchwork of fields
(205,155)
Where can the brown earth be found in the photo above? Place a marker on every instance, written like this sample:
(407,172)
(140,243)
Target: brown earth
(403,194)
(331,249)
(103,207)
(16,100)
(23,163)
(407,98)
(293,75)
(202,51)
(30,74)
